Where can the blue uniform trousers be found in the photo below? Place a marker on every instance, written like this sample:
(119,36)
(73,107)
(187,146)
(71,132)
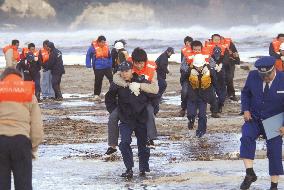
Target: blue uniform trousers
(201,106)
(125,148)
(250,132)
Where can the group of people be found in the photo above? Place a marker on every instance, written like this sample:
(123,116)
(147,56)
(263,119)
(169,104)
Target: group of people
(136,88)
(31,61)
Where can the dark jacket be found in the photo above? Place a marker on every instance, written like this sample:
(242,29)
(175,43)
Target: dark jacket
(28,66)
(117,58)
(231,59)
(273,53)
(55,62)
(132,109)
(162,65)
(205,94)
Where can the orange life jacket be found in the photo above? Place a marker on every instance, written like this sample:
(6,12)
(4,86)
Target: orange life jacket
(186,50)
(16,54)
(44,54)
(14,89)
(26,50)
(210,45)
(101,52)
(148,71)
(276,45)
(226,41)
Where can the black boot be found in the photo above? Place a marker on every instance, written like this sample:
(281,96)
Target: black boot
(190,124)
(127,174)
(249,179)
(215,115)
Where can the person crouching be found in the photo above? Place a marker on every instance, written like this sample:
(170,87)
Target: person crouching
(200,92)
(133,115)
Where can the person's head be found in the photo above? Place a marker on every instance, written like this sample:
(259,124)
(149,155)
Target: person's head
(10,71)
(217,53)
(198,62)
(44,44)
(125,69)
(280,37)
(187,40)
(50,46)
(31,47)
(118,45)
(15,43)
(216,38)
(170,51)
(265,67)
(139,58)
(101,41)
(196,46)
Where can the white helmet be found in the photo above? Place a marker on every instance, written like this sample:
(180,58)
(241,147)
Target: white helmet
(118,45)
(282,46)
(199,60)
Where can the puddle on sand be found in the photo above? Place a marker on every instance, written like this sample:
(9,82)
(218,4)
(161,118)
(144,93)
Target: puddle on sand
(67,104)
(172,100)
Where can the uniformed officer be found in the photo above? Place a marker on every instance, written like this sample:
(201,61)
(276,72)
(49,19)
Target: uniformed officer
(262,98)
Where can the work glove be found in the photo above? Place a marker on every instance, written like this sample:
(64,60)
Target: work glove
(218,67)
(135,88)
(282,58)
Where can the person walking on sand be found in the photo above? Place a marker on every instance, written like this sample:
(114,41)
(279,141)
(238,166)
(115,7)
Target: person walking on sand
(98,57)
(21,130)
(276,49)
(261,98)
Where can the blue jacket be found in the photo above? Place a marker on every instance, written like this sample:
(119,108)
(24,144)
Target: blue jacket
(260,106)
(101,63)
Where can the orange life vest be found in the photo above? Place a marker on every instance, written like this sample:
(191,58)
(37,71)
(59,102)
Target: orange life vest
(44,54)
(279,65)
(276,45)
(210,45)
(226,41)
(26,50)
(101,52)
(16,54)
(14,89)
(148,71)
(186,50)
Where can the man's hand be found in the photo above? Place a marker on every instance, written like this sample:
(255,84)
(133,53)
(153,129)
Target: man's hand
(282,58)
(247,116)
(281,131)
(235,54)
(135,88)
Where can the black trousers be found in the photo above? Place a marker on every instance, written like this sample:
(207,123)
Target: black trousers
(99,76)
(16,157)
(55,81)
(229,76)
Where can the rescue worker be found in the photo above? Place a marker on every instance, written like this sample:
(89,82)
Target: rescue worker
(56,67)
(200,92)
(133,116)
(144,69)
(30,67)
(46,84)
(230,59)
(162,63)
(11,54)
(261,99)
(98,57)
(120,56)
(21,130)
(274,50)
(197,48)
(216,63)
(114,53)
